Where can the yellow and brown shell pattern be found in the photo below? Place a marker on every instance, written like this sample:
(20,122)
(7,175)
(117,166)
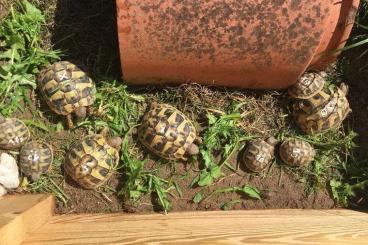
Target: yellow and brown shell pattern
(35,159)
(167,132)
(296,153)
(91,161)
(258,155)
(13,133)
(331,115)
(307,86)
(313,103)
(65,87)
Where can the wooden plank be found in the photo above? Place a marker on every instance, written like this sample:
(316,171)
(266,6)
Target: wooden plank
(300,227)
(22,214)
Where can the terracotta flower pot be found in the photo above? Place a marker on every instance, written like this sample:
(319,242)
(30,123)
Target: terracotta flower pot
(235,43)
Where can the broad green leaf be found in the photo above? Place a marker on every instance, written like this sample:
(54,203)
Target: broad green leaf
(216,172)
(251,192)
(198,197)
(205,178)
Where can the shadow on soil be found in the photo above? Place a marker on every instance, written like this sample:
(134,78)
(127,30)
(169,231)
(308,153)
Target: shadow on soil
(86,32)
(354,72)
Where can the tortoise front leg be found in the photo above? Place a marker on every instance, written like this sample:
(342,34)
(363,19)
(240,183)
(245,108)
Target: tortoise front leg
(89,111)
(69,121)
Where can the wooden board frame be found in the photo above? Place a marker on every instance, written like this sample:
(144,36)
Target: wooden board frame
(29,219)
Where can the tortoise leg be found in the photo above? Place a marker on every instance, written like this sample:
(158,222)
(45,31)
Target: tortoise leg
(104,131)
(89,111)
(198,140)
(69,121)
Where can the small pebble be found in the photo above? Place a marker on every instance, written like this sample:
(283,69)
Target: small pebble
(9,174)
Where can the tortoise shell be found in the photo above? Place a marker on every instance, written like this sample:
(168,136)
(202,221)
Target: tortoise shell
(329,116)
(313,103)
(35,159)
(307,86)
(13,133)
(91,161)
(65,87)
(296,153)
(167,132)
(258,155)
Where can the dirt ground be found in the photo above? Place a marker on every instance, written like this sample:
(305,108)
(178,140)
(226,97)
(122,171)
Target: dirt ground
(85,31)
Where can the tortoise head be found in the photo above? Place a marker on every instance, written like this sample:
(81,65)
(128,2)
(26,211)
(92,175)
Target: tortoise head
(272,141)
(81,112)
(192,149)
(35,176)
(115,142)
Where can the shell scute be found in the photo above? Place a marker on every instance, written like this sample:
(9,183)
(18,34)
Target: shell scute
(65,87)
(91,161)
(296,153)
(35,159)
(13,134)
(166,131)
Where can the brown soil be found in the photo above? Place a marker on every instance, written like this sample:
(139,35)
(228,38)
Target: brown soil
(281,189)
(85,31)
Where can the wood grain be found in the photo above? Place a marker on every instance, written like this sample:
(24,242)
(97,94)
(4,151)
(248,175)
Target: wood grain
(22,214)
(235,227)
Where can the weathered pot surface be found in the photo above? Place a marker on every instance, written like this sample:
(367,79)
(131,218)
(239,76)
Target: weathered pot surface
(235,43)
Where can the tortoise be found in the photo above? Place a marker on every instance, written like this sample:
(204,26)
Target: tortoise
(313,103)
(168,133)
(296,153)
(92,160)
(67,89)
(328,116)
(13,133)
(258,154)
(307,86)
(35,159)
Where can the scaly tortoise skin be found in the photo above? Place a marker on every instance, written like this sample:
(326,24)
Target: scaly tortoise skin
(307,86)
(13,133)
(35,159)
(259,154)
(67,89)
(167,132)
(330,115)
(296,153)
(91,161)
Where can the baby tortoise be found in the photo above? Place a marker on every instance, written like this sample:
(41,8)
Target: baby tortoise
(92,160)
(327,116)
(67,89)
(259,154)
(309,92)
(13,133)
(35,159)
(307,86)
(296,153)
(168,133)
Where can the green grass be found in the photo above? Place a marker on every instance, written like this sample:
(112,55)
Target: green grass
(22,56)
(334,151)
(246,190)
(223,137)
(353,66)
(225,128)
(359,36)
(139,182)
(121,111)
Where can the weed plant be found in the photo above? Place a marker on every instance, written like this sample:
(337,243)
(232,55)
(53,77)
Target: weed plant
(21,55)
(120,109)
